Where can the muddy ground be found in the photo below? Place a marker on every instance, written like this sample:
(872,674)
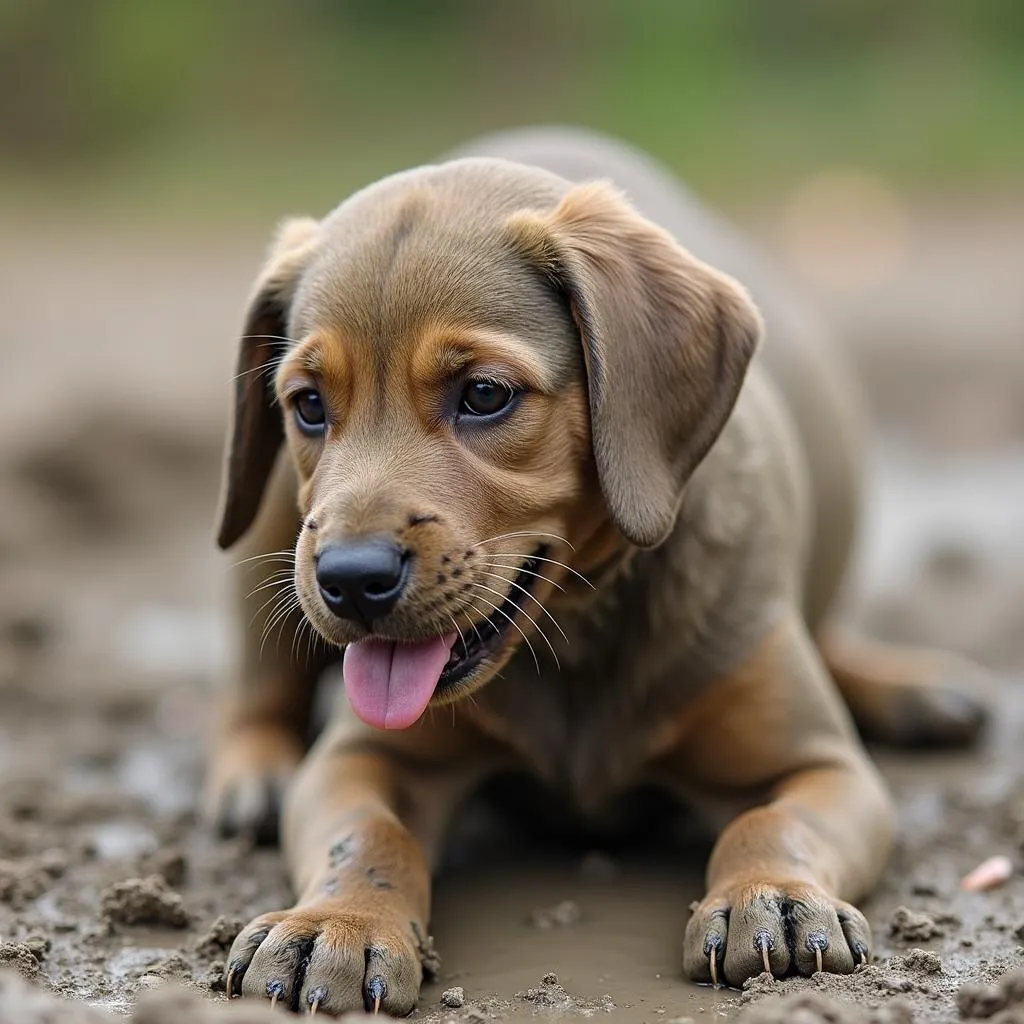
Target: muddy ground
(116,350)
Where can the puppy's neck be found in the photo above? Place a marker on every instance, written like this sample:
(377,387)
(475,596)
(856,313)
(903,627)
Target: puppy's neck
(600,554)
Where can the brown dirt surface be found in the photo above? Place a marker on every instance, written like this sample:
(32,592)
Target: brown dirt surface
(116,903)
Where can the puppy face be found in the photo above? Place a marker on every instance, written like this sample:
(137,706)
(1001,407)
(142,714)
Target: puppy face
(481,374)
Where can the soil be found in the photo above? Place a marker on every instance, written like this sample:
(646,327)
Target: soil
(115,902)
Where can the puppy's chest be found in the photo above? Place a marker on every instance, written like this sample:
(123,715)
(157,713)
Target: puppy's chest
(586,743)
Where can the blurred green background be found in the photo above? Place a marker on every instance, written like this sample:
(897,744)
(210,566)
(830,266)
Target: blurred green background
(246,107)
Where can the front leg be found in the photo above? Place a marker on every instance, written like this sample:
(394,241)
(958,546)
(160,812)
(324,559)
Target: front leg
(783,874)
(362,826)
(261,728)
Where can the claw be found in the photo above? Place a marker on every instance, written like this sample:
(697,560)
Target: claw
(375,989)
(863,958)
(763,942)
(315,998)
(712,947)
(275,989)
(817,943)
(229,981)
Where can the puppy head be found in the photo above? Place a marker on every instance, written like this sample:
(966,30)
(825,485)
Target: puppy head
(477,369)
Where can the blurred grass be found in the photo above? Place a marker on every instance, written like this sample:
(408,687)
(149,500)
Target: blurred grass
(255,106)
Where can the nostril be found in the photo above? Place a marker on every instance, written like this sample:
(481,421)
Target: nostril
(362,579)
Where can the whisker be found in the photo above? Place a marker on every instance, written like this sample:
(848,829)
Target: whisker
(538,558)
(473,626)
(315,640)
(269,337)
(272,600)
(465,650)
(278,601)
(279,618)
(280,556)
(279,580)
(310,636)
(307,629)
(543,635)
(518,586)
(525,533)
(296,636)
(498,565)
(264,368)
(271,364)
(515,624)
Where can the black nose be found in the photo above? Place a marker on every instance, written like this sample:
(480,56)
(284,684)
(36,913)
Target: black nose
(362,579)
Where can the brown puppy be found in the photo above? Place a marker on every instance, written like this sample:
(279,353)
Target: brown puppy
(525,431)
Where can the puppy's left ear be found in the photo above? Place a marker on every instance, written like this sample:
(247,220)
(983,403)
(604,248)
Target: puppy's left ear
(256,432)
(666,341)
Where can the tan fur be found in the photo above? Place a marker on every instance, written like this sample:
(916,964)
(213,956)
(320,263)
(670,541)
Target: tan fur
(696,505)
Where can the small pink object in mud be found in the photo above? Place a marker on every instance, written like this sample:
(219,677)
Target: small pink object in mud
(988,874)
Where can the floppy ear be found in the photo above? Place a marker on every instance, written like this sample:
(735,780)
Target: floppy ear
(256,432)
(666,342)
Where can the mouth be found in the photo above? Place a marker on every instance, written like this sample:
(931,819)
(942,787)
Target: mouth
(488,636)
(390,683)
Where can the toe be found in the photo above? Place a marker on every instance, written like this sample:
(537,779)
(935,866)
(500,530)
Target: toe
(817,936)
(757,936)
(393,976)
(856,931)
(704,943)
(333,981)
(278,965)
(244,948)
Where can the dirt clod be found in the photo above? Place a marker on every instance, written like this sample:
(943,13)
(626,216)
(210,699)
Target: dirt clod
(815,1008)
(1002,1001)
(38,946)
(908,925)
(977,1000)
(219,937)
(19,957)
(172,1004)
(22,881)
(917,961)
(454,998)
(22,1003)
(144,901)
(170,865)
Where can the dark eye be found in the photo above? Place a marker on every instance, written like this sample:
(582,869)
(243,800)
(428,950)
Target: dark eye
(309,412)
(485,398)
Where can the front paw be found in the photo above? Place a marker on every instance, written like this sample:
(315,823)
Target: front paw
(327,956)
(249,771)
(741,931)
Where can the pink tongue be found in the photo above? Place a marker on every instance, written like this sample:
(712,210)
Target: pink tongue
(389,684)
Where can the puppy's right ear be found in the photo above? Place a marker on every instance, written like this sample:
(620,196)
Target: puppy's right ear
(256,432)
